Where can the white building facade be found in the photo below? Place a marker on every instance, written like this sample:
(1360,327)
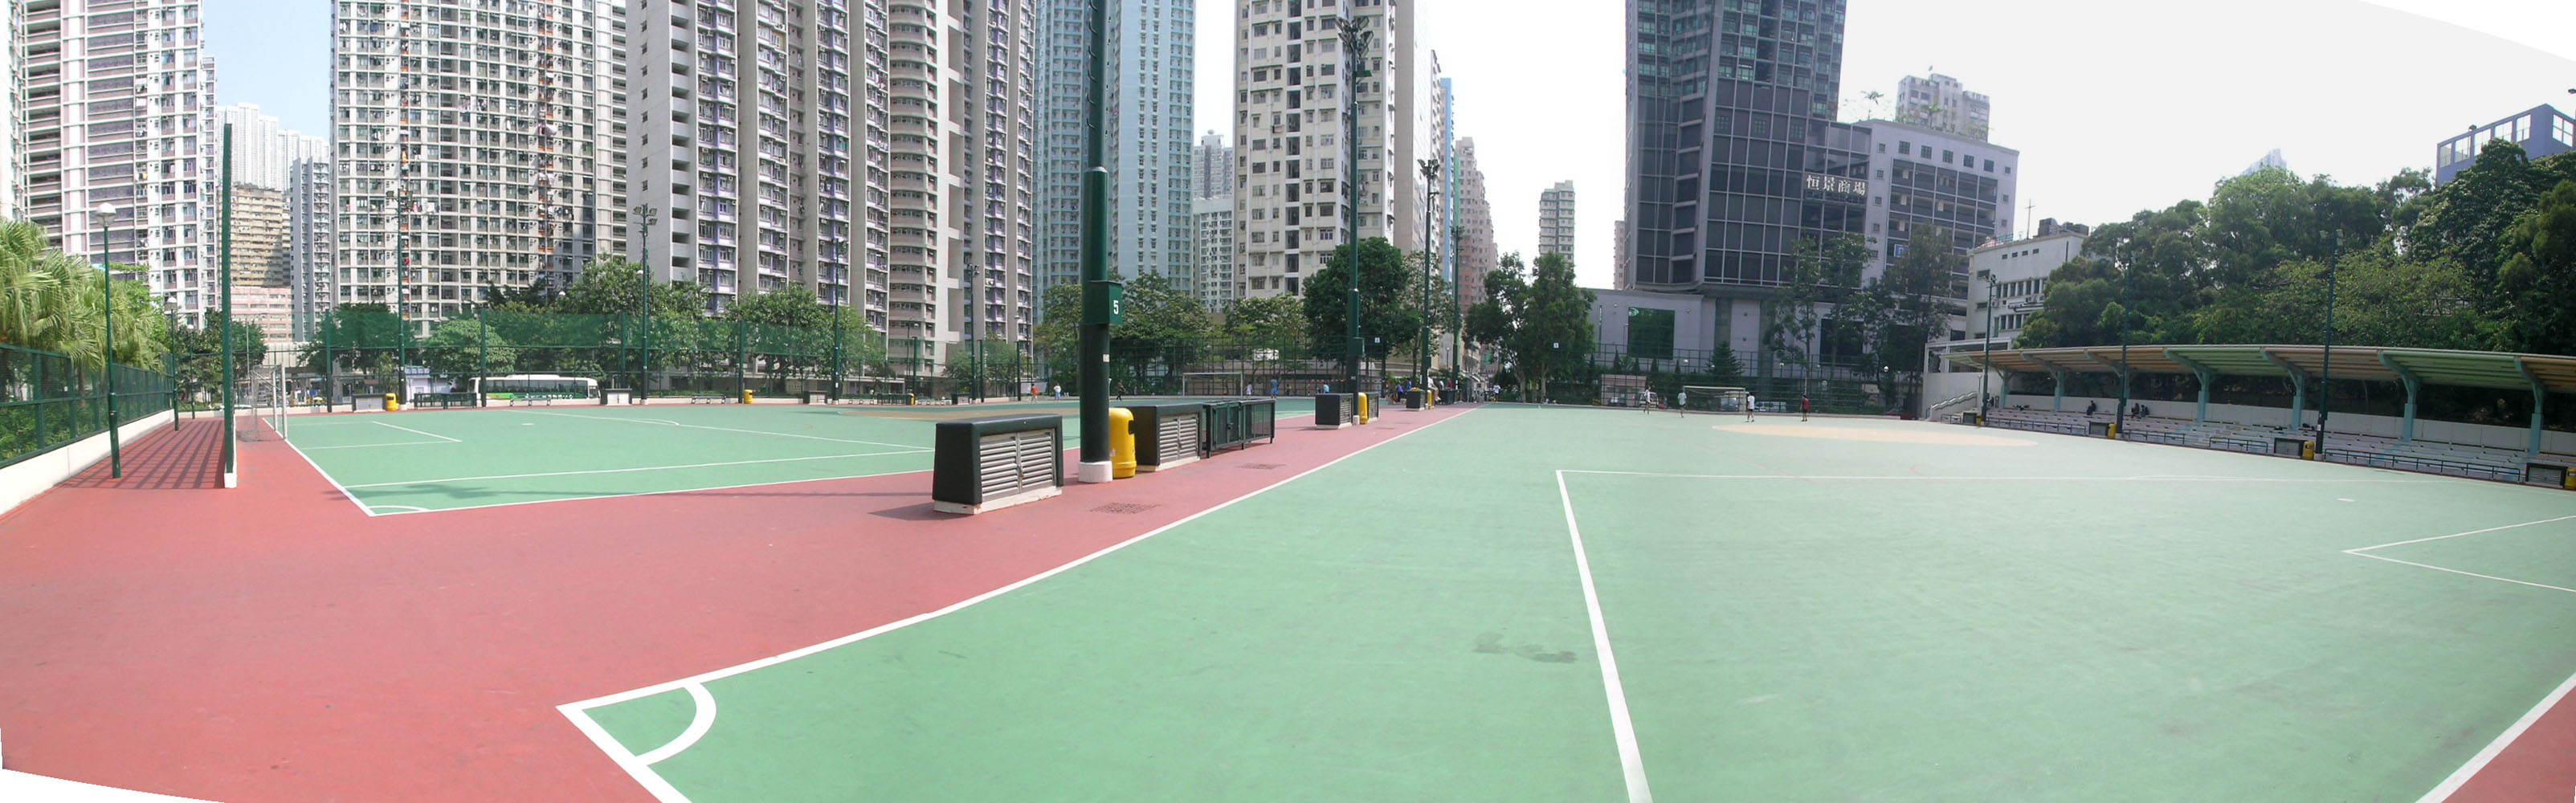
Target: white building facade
(481,145)
(1292,121)
(114,108)
(1556,219)
(1943,104)
(1215,279)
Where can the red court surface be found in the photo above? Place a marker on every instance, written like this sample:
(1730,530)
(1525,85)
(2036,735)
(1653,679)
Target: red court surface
(271,643)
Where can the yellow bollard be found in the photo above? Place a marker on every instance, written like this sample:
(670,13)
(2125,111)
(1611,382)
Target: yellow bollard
(2568,478)
(1361,411)
(390,404)
(1122,444)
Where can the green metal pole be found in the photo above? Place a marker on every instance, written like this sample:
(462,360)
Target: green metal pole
(482,356)
(107,322)
(1354,43)
(330,369)
(741,356)
(224,334)
(2325,379)
(1094,376)
(402,271)
(1987,367)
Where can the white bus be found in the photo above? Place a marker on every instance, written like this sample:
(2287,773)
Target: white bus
(534,386)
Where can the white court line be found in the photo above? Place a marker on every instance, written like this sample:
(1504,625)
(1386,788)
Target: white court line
(2365,552)
(2456,571)
(662,790)
(674,491)
(382,445)
(2456,535)
(631,470)
(418,432)
(1919,478)
(1632,764)
(326,477)
(2479,762)
(699,722)
(402,508)
(668,422)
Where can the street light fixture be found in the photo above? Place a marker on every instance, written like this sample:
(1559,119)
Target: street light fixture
(107,331)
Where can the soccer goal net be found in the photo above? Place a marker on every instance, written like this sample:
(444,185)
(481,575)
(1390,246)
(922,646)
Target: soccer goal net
(1214,383)
(1711,399)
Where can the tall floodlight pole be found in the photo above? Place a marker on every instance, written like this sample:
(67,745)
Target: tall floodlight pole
(1457,303)
(2325,382)
(2120,417)
(107,326)
(1096,290)
(646,215)
(1430,178)
(400,201)
(1986,367)
(224,335)
(840,273)
(1354,54)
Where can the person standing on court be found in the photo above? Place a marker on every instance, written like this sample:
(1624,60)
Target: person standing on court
(1681,402)
(1804,404)
(1750,402)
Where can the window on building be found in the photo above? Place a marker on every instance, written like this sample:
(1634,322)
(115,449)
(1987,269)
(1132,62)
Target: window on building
(2564,130)
(1904,148)
(1650,333)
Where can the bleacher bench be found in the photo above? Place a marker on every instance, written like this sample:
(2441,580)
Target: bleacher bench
(708,398)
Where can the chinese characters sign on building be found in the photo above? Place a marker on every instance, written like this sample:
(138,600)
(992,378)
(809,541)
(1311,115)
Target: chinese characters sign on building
(1837,185)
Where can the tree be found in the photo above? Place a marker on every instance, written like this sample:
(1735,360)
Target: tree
(1897,311)
(999,364)
(1820,274)
(2468,217)
(1271,322)
(794,306)
(1544,323)
(460,348)
(1390,308)
(614,286)
(2539,276)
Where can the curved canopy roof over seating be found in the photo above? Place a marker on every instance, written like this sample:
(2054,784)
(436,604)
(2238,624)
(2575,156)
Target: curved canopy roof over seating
(2476,369)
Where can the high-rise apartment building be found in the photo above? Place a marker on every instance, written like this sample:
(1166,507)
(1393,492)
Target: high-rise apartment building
(1556,219)
(309,249)
(1734,153)
(1477,253)
(1147,111)
(11,192)
(1215,275)
(1441,148)
(747,145)
(1619,255)
(259,241)
(1941,104)
(1212,167)
(259,145)
(114,109)
(483,145)
(1292,121)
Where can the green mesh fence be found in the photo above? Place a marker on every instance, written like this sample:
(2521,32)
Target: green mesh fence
(358,356)
(46,401)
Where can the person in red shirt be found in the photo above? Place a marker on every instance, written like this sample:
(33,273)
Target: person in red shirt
(1803,406)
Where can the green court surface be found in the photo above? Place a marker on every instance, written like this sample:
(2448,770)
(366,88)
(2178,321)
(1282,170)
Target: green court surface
(450,460)
(1847,610)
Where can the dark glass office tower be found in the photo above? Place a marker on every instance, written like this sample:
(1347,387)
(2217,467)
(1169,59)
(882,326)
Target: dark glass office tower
(1733,152)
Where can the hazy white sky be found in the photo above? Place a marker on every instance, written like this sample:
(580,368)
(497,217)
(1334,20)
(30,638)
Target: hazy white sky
(2115,107)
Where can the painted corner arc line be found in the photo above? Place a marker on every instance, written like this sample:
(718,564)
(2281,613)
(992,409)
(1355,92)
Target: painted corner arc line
(747,666)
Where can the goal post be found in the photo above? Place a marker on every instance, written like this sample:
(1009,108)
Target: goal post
(1712,398)
(1214,383)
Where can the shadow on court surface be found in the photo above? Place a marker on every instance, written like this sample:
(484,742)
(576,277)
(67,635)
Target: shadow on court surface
(188,457)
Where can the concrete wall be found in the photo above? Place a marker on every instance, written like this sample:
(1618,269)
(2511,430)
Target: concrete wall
(25,479)
(2515,438)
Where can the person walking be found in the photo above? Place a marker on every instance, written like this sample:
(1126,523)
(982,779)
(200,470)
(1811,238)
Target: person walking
(1804,404)
(1750,402)
(1681,402)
